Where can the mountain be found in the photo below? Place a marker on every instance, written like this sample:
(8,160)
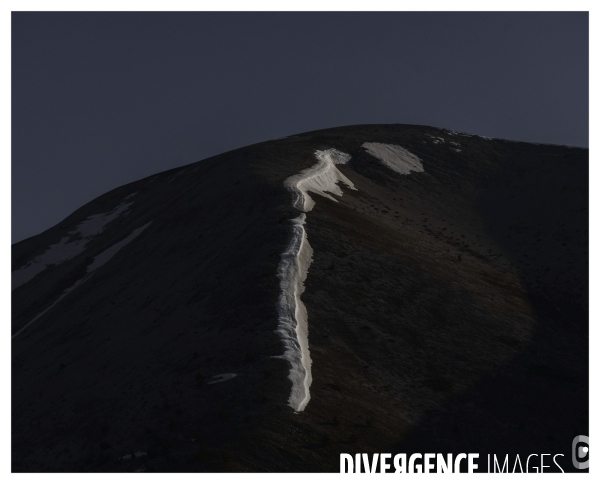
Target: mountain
(376,288)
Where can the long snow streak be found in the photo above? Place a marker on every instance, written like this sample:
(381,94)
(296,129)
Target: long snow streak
(394,157)
(322,179)
(98,261)
(293,321)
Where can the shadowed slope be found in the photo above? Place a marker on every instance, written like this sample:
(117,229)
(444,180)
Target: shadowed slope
(452,290)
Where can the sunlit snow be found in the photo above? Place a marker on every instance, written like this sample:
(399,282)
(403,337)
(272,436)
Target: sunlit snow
(293,319)
(395,157)
(323,179)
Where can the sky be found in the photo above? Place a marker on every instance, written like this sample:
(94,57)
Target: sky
(102,99)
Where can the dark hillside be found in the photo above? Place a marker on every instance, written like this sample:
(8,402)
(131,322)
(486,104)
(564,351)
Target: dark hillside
(447,312)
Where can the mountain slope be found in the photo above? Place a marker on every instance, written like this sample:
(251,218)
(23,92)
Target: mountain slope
(445,308)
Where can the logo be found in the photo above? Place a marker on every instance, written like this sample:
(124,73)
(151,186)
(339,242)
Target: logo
(581,452)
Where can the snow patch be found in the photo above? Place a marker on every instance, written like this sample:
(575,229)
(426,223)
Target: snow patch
(55,254)
(95,224)
(322,179)
(108,254)
(395,157)
(222,377)
(98,261)
(436,139)
(65,250)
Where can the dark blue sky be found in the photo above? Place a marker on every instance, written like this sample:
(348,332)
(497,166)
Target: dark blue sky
(102,99)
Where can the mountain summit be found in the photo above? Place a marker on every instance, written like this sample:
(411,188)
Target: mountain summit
(377,288)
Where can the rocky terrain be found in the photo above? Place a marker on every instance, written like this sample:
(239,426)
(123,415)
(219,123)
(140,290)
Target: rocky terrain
(447,310)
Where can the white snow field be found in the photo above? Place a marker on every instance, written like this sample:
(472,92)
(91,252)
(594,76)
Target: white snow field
(323,179)
(65,250)
(98,261)
(394,157)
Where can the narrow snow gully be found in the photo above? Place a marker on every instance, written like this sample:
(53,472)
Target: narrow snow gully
(322,179)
